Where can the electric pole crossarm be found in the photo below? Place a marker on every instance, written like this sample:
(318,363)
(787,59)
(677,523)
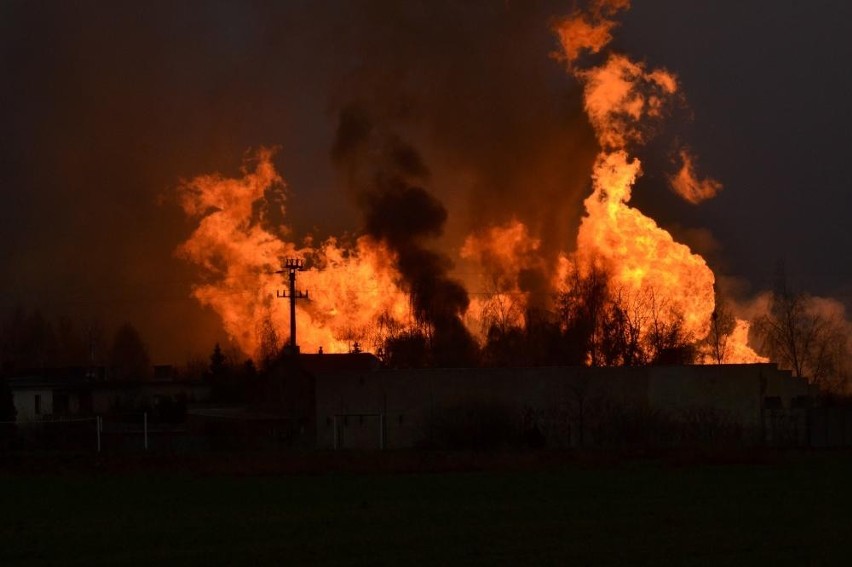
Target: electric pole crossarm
(291,266)
(286,294)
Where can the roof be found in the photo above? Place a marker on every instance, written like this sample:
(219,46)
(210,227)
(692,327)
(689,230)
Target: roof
(67,377)
(81,377)
(338,363)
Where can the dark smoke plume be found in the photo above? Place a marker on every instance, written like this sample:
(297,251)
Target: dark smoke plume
(123,100)
(385,174)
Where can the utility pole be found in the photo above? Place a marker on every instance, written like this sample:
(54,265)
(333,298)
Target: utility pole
(291,266)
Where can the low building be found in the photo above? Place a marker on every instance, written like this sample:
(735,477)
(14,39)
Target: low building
(52,392)
(56,393)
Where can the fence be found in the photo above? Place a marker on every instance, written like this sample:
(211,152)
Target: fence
(128,432)
(66,434)
(821,427)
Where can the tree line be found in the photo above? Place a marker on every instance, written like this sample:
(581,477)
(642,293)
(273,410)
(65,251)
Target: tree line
(591,322)
(31,341)
(596,323)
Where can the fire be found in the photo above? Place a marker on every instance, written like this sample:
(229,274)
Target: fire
(233,251)
(238,257)
(622,99)
(620,94)
(355,286)
(501,253)
(350,289)
(590,31)
(737,349)
(687,185)
(640,256)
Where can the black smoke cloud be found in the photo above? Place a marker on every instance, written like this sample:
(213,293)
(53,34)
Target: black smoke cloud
(106,106)
(384,174)
(474,87)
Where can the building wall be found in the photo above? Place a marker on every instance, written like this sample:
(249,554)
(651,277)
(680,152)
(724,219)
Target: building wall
(25,403)
(106,397)
(735,391)
(565,405)
(99,399)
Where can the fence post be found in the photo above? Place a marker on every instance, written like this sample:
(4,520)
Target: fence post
(334,432)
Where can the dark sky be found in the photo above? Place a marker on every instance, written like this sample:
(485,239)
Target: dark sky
(105,106)
(769,84)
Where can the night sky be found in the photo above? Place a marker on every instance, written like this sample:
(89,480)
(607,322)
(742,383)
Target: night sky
(106,106)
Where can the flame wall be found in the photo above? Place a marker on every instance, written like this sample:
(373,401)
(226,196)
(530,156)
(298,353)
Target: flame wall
(400,272)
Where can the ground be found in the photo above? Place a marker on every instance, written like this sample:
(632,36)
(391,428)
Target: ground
(470,510)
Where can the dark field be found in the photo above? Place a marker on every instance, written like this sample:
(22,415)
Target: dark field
(787,510)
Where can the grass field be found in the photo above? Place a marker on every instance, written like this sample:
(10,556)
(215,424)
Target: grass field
(794,512)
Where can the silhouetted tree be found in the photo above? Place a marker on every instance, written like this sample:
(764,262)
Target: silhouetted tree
(10,330)
(622,334)
(544,340)
(408,350)
(604,325)
(232,379)
(7,401)
(270,342)
(71,346)
(29,340)
(504,346)
(502,310)
(223,383)
(800,336)
(582,312)
(417,345)
(218,366)
(128,355)
(97,344)
(39,346)
(454,347)
(195,368)
(722,324)
(540,342)
(668,342)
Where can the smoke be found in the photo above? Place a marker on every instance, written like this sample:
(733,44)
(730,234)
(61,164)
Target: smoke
(385,174)
(124,101)
(118,102)
(473,87)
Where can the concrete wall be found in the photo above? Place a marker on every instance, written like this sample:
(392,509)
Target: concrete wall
(565,405)
(50,405)
(830,427)
(25,403)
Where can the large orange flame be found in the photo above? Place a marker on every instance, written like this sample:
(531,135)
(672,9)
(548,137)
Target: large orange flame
(641,256)
(622,99)
(350,288)
(355,288)
(500,254)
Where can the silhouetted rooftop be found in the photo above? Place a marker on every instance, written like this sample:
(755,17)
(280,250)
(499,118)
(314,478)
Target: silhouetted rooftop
(336,363)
